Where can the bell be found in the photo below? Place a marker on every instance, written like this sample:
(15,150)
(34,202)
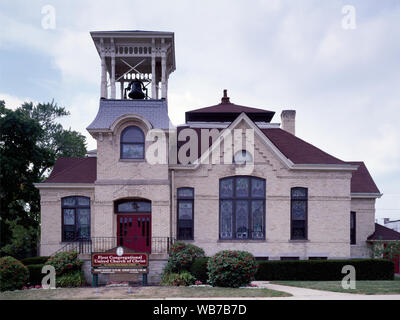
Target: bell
(136,89)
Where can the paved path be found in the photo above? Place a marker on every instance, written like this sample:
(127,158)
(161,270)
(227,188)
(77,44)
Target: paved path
(312,294)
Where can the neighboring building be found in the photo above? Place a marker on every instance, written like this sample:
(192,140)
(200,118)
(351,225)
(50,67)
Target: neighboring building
(394,224)
(298,202)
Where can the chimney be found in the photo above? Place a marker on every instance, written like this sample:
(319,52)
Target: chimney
(386,220)
(289,121)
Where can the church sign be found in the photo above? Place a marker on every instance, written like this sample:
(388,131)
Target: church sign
(120,260)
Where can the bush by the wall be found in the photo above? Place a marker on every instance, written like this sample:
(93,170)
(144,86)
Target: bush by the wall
(324,270)
(199,269)
(231,269)
(35,260)
(65,262)
(183,278)
(181,257)
(13,274)
(35,274)
(71,279)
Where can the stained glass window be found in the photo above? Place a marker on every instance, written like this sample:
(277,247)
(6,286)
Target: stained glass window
(226,188)
(69,216)
(242,208)
(242,187)
(131,206)
(353,228)
(185,193)
(242,219)
(76,218)
(132,143)
(257,211)
(299,213)
(226,219)
(257,188)
(185,213)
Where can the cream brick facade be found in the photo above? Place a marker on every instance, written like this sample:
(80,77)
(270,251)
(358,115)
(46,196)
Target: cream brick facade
(329,202)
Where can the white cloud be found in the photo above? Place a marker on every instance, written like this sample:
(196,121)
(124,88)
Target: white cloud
(13,102)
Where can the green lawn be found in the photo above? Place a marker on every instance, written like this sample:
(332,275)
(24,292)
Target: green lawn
(150,292)
(362,287)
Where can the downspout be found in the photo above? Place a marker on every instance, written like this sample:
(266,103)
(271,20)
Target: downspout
(171,232)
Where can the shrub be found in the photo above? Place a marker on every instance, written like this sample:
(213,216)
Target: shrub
(199,269)
(65,262)
(35,274)
(324,270)
(13,274)
(177,279)
(34,260)
(71,279)
(231,269)
(182,256)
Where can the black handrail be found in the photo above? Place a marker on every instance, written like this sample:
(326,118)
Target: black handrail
(102,244)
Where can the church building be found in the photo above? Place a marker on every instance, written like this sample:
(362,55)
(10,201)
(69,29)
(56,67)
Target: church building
(230,177)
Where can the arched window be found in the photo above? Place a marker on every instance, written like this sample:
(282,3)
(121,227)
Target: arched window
(132,143)
(242,157)
(185,213)
(75,218)
(242,208)
(299,207)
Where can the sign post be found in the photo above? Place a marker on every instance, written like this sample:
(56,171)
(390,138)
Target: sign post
(119,260)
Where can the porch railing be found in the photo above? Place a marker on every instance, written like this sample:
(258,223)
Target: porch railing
(102,244)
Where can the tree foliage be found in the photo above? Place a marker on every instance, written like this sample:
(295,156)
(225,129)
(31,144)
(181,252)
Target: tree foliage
(31,140)
(384,249)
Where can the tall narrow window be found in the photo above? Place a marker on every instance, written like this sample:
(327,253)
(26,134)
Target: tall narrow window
(75,218)
(132,143)
(242,208)
(353,227)
(185,213)
(299,197)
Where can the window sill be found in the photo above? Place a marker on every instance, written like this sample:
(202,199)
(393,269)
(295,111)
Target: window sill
(132,160)
(242,241)
(299,241)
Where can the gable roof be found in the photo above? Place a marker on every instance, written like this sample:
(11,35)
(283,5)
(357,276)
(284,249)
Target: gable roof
(383,233)
(227,111)
(74,170)
(361,180)
(297,150)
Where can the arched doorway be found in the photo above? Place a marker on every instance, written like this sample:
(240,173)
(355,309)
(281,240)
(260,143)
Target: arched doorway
(134,224)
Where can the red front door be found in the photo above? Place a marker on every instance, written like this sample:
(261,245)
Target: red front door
(134,231)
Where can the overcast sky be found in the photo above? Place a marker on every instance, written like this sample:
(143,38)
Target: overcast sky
(341,75)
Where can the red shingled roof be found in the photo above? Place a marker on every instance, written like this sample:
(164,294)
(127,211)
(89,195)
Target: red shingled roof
(383,233)
(227,111)
(297,150)
(83,170)
(361,181)
(74,170)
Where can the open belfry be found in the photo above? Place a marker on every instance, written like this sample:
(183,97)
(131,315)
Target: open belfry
(127,56)
(297,203)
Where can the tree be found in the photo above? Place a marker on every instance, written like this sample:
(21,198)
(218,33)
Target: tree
(30,142)
(386,249)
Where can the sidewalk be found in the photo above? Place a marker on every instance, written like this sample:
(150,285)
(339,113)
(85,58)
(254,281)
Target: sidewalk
(311,294)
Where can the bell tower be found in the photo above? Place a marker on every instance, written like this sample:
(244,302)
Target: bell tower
(139,61)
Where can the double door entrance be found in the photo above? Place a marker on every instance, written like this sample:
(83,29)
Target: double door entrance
(134,231)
